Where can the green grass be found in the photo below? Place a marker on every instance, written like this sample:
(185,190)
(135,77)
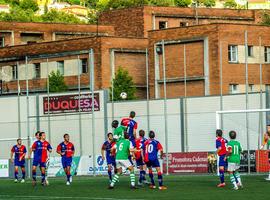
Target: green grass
(179,187)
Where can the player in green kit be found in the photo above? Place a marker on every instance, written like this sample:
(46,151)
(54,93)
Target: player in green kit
(233,158)
(124,149)
(118,132)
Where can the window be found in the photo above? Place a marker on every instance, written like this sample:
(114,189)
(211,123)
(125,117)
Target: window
(14,72)
(232,53)
(162,25)
(2,41)
(234,88)
(251,88)
(183,24)
(37,70)
(84,66)
(60,67)
(250,51)
(267,54)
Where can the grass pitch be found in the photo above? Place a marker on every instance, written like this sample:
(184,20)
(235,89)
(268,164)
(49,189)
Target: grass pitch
(95,188)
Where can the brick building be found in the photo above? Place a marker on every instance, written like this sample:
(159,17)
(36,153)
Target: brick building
(16,33)
(202,47)
(124,36)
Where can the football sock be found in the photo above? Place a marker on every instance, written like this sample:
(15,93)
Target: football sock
(132,178)
(23,173)
(34,175)
(42,177)
(68,176)
(237,175)
(115,179)
(221,176)
(144,173)
(151,177)
(141,177)
(160,181)
(16,174)
(110,174)
(233,180)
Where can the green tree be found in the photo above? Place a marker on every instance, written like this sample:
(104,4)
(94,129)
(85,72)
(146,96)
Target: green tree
(183,3)
(60,17)
(29,5)
(57,82)
(230,4)
(161,2)
(207,3)
(123,82)
(266,19)
(19,15)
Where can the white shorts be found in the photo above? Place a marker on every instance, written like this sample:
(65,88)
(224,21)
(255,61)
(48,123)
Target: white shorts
(233,167)
(123,163)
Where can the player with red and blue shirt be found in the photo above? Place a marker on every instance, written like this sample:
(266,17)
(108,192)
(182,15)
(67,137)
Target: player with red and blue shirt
(19,160)
(66,150)
(110,154)
(139,157)
(151,148)
(131,126)
(221,152)
(40,148)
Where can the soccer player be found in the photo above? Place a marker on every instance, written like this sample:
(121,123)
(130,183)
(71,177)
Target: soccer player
(123,148)
(233,158)
(151,149)
(118,132)
(19,161)
(139,157)
(267,141)
(66,150)
(40,148)
(131,126)
(221,152)
(110,155)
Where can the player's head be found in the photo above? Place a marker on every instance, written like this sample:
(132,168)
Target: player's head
(115,123)
(19,141)
(219,133)
(132,114)
(110,136)
(142,133)
(42,135)
(232,135)
(66,137)
(268,129)
(37,135)
(126,135)
(152,134)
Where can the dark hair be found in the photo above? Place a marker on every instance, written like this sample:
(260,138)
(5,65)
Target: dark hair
(232,134)
(142,133)
(268,125)
(219,132)
(115,123)
(65,135)
(19,139)
(37,133)
(126,135)
(152,134)
(132,114)
(108,134)
(40,133)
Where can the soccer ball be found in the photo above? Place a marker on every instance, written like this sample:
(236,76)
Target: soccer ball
(123,95)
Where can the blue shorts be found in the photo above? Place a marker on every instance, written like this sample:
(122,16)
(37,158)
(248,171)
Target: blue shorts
(66,162)
(39,163)
(222,162)
(153,163)
(139,162)
(111,161)
(19,163)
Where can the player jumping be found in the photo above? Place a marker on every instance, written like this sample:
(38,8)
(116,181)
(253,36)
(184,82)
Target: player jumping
(267,141)
(19,160)
(151,149)
(110,156)
(40,148)
(124,148)
(221,152)
(233,158)
(66,150)
(139,157)
(131,126)
(118,132)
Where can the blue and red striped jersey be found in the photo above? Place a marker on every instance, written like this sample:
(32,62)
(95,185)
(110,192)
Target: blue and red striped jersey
(67,148)
(19,152)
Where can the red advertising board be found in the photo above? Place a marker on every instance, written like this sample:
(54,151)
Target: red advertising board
(70,103)
(191,162)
